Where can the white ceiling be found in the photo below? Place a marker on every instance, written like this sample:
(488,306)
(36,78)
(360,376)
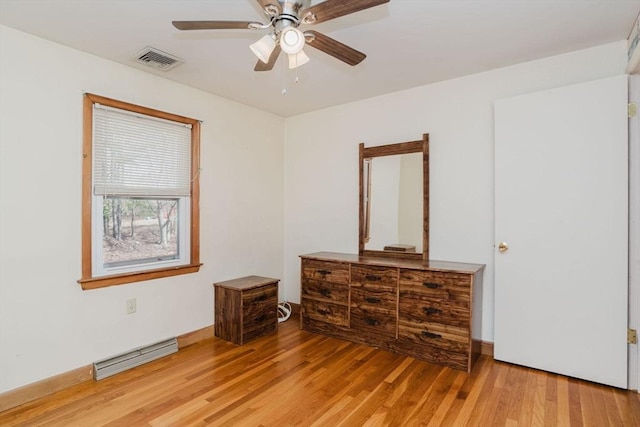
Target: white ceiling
(408,43)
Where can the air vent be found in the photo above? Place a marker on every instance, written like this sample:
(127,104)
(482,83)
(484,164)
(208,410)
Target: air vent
(157,59)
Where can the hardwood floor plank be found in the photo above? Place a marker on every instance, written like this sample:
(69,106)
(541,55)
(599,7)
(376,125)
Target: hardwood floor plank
(562,393)
(628,407)
(593,410)
(516,386)
(447,401)
(539,400)
(495,410)
(482,396)
(463,394)
(575,404)
(295,378)
(409,389)
(615,418)
(551,402)
(526,412)
(470,398)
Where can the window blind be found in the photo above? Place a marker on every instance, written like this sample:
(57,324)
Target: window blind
(139,155)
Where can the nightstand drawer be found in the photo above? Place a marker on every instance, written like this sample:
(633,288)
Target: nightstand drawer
(266,293)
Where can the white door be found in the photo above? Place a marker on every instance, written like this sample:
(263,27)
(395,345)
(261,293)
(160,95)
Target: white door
(561,206)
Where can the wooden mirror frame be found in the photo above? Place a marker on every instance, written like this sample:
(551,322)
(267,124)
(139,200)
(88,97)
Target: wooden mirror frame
(421,146)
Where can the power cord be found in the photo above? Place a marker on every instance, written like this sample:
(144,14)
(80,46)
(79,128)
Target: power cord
(284,311)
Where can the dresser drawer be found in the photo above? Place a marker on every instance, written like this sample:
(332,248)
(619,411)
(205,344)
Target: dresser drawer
(374,277)
(445,337)
(435,285)
(333,272)
(322,311)
(430,310)
(375,299)
(326,291)
(375,321)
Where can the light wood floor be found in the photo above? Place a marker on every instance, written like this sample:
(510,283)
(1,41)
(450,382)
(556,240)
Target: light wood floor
(298,378)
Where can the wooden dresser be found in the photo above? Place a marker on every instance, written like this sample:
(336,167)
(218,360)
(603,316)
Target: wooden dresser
(427,310)
(245,308)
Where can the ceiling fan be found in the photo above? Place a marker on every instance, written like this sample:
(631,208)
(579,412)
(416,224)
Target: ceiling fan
(285,16)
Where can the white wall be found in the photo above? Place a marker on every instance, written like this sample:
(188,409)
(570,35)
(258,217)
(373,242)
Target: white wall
(48,325)
(321,160)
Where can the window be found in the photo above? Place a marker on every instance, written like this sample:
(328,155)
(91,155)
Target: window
(140,193)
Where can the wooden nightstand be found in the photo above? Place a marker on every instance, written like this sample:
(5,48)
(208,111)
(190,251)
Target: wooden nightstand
(245,308)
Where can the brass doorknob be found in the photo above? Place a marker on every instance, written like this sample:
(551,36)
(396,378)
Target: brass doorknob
(503,247)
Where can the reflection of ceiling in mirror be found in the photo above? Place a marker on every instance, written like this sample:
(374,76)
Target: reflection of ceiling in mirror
(396,199)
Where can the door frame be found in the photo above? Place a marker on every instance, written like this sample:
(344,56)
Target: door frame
(634,232)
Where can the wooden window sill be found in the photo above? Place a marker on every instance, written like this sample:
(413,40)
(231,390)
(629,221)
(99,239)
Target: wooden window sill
(121,279)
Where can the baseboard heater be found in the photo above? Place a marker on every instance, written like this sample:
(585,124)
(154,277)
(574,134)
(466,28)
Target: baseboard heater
(131,359)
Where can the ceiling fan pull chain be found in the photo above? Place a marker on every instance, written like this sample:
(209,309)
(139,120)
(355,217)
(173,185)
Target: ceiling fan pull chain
(284,78)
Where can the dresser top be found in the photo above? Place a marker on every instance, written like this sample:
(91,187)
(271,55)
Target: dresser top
(248,282)
(418,264)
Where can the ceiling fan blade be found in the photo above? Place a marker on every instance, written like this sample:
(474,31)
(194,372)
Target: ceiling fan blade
(261,66)
(334,48)
(331,9)
(213,25)
(265,4)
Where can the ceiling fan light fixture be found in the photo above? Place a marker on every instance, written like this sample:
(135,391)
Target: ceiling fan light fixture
(297,59)
(263,48)
(291,40)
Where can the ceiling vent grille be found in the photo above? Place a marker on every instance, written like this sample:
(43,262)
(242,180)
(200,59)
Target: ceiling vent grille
(157,59)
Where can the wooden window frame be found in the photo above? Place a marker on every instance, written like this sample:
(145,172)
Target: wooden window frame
(88,281)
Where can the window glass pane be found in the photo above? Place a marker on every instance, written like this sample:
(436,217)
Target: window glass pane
(139,230)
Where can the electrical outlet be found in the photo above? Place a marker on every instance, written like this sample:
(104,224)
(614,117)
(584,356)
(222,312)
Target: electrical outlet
(131,306)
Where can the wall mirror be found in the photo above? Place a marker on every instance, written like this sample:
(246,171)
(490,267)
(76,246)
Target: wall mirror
(394,200)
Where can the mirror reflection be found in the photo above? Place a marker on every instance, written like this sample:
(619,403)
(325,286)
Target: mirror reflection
(393,198)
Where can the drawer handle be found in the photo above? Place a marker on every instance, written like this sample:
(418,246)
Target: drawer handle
(373,300)
(373,278)
(260,298)
(430,310)
(372,322)
(261,318)
(431,335)
(323,312)
(324,272)
(432,285)
(325,292)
